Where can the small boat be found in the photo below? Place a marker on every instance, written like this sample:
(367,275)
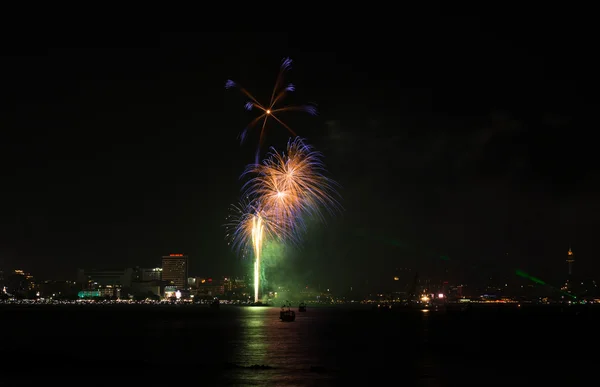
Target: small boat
(302,307)
(215,304)
(287,314)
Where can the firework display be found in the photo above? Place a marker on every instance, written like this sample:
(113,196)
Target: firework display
(281,193)
(291,185)
(273,108)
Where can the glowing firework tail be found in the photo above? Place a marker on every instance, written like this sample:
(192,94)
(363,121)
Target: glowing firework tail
(272,109)
(241,223)
(247,229)
(257,243)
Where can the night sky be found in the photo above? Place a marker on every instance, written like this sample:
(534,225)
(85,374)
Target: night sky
(449,137)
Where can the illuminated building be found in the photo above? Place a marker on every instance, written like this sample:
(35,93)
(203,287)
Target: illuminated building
(193,282)
(239,283)
(92,279)
(570,261)
(175,270)
(170,291)
(28,279)
(147,282)
(88,294)
(148,274)
(107,292)
(210,288)
(20,282)
(227,284)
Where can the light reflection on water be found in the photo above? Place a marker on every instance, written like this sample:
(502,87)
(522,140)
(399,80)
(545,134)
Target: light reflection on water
(288,349)
(327,346)
(324,346)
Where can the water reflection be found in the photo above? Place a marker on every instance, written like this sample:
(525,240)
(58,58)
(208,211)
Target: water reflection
(324,346)
(428,366)
(253,341)
(263,340)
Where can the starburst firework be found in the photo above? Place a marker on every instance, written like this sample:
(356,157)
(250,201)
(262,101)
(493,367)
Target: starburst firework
(292,186)
(273,109)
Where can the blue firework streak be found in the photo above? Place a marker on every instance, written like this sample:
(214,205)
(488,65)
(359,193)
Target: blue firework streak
(273,108)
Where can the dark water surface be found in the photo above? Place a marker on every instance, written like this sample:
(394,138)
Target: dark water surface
(162,345)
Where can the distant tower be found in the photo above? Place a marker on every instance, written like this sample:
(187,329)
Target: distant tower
(570,260)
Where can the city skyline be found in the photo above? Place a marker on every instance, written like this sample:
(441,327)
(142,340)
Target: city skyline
(441,273)
(111,145)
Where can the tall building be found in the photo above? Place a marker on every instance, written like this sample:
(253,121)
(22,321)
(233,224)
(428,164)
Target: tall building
(175,270)
(570,261)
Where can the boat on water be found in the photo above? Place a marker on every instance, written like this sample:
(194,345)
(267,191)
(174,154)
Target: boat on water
(302,307)
(287,314)
(215,304)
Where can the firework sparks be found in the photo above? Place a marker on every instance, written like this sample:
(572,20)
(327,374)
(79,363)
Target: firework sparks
(292,185)
(241,221)
(284,190)
(272,109)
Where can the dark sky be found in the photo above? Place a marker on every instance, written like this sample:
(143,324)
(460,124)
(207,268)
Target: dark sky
(463,137)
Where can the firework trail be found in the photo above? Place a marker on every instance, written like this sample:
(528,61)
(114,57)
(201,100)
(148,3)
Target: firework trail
(241,223)
(284,190)
(248,227)
(257,243)
(271,110)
